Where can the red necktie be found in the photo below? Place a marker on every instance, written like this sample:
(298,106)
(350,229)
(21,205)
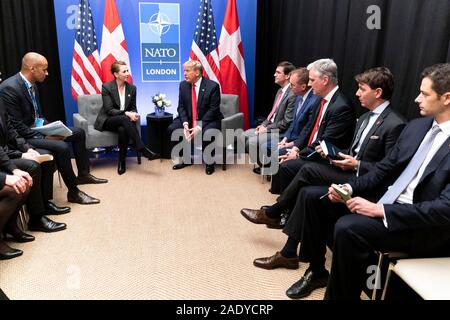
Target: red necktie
(194,106)
(316,125)
(275,105)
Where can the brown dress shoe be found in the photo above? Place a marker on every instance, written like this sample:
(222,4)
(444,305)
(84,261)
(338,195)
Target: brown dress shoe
(259,217)
(276,261)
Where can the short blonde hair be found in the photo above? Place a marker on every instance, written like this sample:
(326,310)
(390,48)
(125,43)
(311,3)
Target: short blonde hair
(194,64)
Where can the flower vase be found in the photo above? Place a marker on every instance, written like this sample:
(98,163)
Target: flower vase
(159,111)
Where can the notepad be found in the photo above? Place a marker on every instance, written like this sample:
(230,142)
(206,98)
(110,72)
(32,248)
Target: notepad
(329,150)
(56,128)
(345,195)
(43,158)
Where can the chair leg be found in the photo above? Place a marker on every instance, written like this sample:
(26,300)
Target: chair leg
(224,163)
(262,168)
(138,154)
(59,179)
(381,256)
(23,218)
(386,283)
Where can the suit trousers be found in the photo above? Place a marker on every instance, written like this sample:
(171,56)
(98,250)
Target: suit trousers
(61,152)
(314,173)
(36,197)
(126,130)
(10,203)
(178,125)
(286,173)
(356,237)
(352,237)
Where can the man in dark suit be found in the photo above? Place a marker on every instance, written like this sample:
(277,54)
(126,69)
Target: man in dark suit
(198,112)
(334,121)
(305,101)
(279,118)
(375,135)
(411,216)
(17,156)
(21,99)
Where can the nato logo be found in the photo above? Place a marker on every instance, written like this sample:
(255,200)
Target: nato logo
(160,41)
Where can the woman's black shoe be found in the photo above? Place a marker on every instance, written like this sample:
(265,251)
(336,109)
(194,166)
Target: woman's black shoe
(121,168)
(149,154)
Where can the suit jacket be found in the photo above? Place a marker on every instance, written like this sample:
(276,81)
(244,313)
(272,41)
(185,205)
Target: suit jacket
(18,103)
(111,102)
(208,102)
(380,139)
(337,125)
(284,114)
(302,117)
(428,218)
(11,145)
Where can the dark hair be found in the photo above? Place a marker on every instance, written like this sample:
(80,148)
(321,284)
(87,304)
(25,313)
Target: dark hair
(439,74)
(380,77)
(302,74)
(115,67)
(287,67)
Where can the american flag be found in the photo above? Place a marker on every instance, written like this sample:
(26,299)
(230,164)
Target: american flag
(86,60)
(204,44)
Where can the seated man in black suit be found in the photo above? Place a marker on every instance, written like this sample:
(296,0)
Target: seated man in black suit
(334,121)
(21,99)
(198,111)
(17,158)
(14,190)
(411,216)
(375,135)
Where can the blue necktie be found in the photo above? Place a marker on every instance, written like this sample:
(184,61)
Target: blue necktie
(411,170)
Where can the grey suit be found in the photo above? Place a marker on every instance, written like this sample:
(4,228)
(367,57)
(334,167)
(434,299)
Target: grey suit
(284,115)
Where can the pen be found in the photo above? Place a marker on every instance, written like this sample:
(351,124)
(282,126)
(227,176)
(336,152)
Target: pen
(325,195)
(312,153)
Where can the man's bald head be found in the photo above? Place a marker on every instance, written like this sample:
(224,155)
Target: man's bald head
(34,67)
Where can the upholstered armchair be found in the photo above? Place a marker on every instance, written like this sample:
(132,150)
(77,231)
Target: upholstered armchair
(88,108)
(233,119)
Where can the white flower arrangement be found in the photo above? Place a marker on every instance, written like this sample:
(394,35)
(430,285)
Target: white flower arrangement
(160,101)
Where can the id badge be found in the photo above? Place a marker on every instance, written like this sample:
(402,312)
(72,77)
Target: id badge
(39,122)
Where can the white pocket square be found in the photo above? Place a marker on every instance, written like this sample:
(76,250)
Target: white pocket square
(375,137)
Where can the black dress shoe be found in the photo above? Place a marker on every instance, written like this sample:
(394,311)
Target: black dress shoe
(17,235)
(181,166)
(3,296)
(80,197)
(308,283)
(6,252)
(149,154)
(209,169)
(284,217)
(90,179)
(257,170)
(44,224)
(51,208)
(121,167)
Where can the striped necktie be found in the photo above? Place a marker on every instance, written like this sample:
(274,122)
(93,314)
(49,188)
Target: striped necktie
(411,170)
